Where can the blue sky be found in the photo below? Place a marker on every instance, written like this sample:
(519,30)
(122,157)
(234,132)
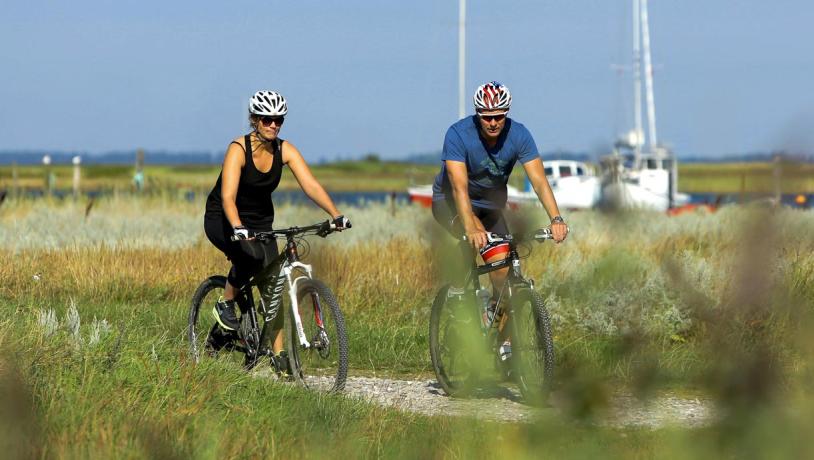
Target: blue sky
(731,77)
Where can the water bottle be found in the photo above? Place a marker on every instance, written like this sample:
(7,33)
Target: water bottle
(485,301)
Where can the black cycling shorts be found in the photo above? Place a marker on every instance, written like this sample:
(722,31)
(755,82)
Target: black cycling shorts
(459,261)
(445,214)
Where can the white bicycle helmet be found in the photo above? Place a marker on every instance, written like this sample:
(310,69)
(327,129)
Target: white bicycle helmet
(268,103)
(492,96)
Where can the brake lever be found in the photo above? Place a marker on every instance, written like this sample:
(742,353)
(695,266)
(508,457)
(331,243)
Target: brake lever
(326,229)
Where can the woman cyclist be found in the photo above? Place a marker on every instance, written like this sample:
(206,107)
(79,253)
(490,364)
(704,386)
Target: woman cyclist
(240,204)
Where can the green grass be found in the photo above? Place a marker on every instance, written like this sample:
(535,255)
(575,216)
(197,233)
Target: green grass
(346,176)
(134,394)
(745,178)
(700,305)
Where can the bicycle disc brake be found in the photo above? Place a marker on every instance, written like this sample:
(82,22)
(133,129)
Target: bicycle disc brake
(322,344)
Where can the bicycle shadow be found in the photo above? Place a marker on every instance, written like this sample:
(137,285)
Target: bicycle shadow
(481,390)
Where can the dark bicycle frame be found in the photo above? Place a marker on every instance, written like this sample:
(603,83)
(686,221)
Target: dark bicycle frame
(515,278)
(273,270)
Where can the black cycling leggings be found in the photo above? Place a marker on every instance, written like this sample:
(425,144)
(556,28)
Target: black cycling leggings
(247,256)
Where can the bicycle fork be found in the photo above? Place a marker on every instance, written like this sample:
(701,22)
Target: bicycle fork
(288,269)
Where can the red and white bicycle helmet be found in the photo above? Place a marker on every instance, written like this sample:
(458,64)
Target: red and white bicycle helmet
(492,96)
(268,103)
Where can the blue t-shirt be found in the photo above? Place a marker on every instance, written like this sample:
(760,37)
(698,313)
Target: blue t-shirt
(488,168)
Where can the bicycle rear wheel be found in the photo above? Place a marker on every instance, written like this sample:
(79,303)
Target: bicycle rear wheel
(532,346)
(325,361)
(204,336)
(455,343)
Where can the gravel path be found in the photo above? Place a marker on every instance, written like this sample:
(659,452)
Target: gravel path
(505,404)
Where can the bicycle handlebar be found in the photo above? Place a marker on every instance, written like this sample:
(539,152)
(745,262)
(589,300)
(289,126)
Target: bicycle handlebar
(545,233)
(540,235)
(322,229)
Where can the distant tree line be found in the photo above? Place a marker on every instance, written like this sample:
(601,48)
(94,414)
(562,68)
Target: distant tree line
(34,157)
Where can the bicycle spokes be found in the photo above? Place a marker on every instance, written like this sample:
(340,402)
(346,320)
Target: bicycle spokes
(323,326)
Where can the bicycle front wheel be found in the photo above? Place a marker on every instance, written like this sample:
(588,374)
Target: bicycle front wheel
(532,346)
(324,362)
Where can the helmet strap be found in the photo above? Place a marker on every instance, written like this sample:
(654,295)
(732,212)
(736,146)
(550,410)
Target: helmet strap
(262,139)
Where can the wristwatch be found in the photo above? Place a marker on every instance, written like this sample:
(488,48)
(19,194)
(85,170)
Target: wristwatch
(557,219)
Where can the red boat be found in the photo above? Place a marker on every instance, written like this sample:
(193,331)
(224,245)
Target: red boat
(422,195)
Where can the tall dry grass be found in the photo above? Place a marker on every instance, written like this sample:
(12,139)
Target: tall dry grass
(717,305)
(617,276)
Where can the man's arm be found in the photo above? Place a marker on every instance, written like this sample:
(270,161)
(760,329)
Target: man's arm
(536,174)
(459,179)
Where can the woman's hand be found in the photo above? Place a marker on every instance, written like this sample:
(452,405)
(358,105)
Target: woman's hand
(241,233)
(341,223)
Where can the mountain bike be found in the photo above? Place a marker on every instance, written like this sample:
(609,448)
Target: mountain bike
(314,328)
(461,332)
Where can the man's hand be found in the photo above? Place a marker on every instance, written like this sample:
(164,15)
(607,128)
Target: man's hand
(558,229)
(476,233)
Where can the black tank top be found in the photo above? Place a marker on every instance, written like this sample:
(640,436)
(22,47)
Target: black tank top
(253,199)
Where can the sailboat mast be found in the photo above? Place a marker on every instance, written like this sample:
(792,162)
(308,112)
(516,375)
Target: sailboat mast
(461,57)
(637,84)
(648,80)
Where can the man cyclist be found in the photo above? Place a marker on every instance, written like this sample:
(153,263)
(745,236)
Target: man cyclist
(469,193)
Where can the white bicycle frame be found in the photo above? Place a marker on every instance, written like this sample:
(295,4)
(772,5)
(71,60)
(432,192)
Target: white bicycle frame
(288,269)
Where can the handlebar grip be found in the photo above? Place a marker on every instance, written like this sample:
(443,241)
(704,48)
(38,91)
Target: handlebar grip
(546,234)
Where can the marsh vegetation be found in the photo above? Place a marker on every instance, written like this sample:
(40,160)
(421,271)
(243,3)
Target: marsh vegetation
(94,361)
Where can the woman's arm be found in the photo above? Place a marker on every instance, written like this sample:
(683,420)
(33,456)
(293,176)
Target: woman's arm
(459,179)
(293,158)
(233,164)
(536,174)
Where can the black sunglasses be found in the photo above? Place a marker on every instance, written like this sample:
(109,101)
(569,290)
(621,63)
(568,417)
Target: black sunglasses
(489,118)
(267,121)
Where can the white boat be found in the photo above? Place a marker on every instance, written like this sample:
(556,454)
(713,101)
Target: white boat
(574,184)
(639,174)
(650,185)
